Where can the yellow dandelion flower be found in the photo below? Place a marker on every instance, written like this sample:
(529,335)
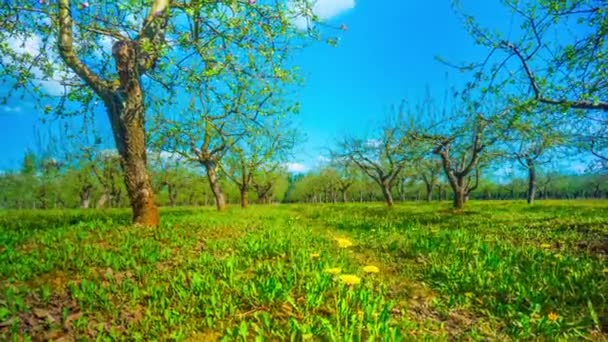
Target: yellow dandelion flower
(371,269)
(360,314)
(343,243)
(334,270)
(469,294)
(552,316)
(545,245)
(350,279)
(315,255)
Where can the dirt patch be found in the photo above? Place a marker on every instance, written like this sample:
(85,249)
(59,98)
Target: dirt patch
(596,245)
(45,321)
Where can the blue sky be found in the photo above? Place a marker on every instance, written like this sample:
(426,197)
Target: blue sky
(387,54)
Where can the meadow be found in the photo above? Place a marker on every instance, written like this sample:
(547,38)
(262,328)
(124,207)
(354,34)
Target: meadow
(499,270)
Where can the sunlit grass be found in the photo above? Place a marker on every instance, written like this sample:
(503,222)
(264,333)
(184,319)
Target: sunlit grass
(498,270)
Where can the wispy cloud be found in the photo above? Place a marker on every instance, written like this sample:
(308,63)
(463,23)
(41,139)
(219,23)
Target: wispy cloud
(9,109)
(578,167)
(322,9)
(296,167)
(31,45)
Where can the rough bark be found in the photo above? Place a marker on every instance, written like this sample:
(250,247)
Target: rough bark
(244,199)
(531,181)
(172,192)
(429,192)
(124,101)
(459,198)
(214,183)
(386,192)
(85,196)
(126,112)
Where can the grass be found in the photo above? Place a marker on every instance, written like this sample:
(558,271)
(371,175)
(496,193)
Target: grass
(500,270)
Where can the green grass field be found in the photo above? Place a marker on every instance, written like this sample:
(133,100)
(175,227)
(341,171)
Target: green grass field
(500,270)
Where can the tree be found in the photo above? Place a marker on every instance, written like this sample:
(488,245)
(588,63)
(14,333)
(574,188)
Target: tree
(461,151)
(159,46)
(262,148)
(270,182)
(384,156)
(345,176)
(430,170)
(568,74)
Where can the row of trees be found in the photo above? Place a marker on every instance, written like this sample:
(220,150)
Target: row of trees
(208,81)
(47,183)
(329,186)
(529,96)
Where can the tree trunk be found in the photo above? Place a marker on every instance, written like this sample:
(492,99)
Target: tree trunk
(344,198)
(172,194)
(214,184)
(388,197)
(460,192)
(103,201)
(244,199)
(429,192)
(459,198)
(126,112)
(531,182)
(85,196)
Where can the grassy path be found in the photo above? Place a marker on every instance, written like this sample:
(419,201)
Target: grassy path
(285,272)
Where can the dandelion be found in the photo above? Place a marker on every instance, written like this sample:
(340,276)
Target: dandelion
(371,269)
(315,255)
(360,314)
(343,243)
(334,270)
(469,294)
(350,279)
(552,316)
(545,246)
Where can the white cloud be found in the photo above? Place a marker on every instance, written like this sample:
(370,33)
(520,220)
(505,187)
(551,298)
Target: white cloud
(323,9)
(31,45)
(323,159)
(106,44)
(578,168)
(109,152)
(295,167)
(373,143)
(9,109)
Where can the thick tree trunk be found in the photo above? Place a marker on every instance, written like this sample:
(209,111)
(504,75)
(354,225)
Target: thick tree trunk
(459,198)
(214,184)
(344,198)
(388,197)
(126,112)
(429,192)
(244,199)
(531,182)
(460,192)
